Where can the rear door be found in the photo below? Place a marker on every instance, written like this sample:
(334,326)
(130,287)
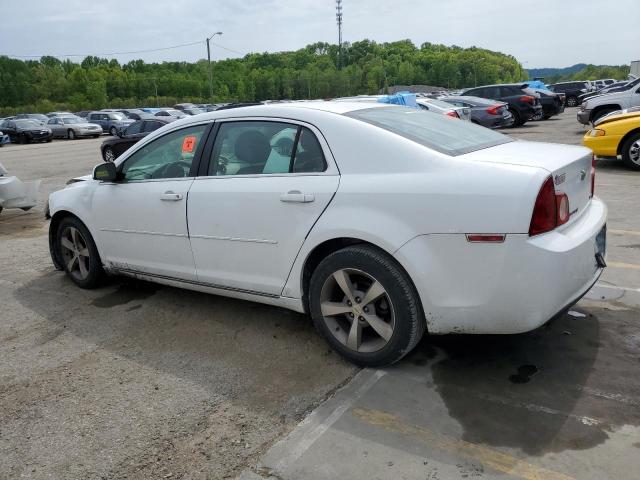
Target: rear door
(264,186)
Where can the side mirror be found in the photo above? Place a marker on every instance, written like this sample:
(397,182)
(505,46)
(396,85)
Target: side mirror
(105,172)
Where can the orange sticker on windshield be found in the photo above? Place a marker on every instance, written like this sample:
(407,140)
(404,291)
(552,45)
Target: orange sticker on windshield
(188,144)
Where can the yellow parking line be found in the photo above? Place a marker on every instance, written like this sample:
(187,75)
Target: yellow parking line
(624,232)
(632,266)
(498,461)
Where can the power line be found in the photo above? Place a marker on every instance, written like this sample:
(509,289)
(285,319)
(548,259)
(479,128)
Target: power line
(123,53)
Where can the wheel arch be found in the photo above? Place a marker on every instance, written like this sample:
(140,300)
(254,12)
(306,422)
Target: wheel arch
(599,108)
(56,218)
(326,248)
(624,139)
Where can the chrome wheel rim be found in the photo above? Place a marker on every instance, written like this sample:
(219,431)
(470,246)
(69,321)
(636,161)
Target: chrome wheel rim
(108,155)
(634,152)
(572,102)
(357,310)
(75,253)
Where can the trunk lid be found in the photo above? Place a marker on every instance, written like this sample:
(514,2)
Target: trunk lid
(569,166)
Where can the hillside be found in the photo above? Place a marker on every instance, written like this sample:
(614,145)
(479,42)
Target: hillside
(311,72)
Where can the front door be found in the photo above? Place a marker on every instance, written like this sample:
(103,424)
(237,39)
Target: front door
(141,218)
(267,183)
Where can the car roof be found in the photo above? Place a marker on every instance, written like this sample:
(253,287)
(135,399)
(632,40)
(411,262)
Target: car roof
(304,110)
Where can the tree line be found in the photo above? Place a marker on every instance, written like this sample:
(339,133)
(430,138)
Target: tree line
(319,70)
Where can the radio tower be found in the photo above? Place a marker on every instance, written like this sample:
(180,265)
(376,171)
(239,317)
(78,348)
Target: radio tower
(339,22)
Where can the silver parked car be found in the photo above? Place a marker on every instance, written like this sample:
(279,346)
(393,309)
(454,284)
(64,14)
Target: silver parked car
(72,127)
(444,108)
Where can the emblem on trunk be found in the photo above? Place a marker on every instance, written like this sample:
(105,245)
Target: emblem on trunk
(560,178)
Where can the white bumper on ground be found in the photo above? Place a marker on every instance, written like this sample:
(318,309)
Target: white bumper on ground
(508,287)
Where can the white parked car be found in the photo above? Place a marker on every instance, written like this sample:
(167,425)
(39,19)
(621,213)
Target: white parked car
(381,222)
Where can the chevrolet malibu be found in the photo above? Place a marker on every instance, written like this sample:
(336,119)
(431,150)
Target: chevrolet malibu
(381,222)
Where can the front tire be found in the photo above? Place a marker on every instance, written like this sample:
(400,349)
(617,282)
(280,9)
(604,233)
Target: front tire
(109,155)
(113,132)
(365,306)
(78,253)
(572,102)
(631,152)
(71,135)
(601,113)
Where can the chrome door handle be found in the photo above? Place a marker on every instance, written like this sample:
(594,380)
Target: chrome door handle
(296,196)
(170,196)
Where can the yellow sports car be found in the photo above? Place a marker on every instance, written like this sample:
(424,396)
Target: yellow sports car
(617,134)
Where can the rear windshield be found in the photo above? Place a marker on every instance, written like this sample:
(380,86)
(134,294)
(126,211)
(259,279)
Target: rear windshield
(444,134)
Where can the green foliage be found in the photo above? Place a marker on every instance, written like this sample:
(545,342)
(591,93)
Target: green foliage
(592,72)
(311,72)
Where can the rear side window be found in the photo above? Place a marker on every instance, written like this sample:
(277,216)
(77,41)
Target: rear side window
(439,132)
(261,147)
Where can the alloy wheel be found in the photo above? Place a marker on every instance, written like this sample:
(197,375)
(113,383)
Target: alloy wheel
(75,253)
(572,102)
(357,310)
(634,152)
(109,156)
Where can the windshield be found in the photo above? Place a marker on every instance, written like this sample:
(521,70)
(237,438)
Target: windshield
(117,116)
(441,133)
(28,124)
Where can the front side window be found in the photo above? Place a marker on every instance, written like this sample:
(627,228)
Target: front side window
(258,147)
(438,132)
(170,156)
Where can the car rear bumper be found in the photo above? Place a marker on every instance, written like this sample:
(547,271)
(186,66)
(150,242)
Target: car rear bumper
(504,288)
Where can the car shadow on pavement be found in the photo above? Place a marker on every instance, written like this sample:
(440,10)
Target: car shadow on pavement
(541,391)
(257,355)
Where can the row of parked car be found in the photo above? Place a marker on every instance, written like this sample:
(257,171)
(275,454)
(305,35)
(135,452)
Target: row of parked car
(38,127)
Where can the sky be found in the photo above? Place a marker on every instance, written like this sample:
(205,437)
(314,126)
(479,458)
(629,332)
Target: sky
(539,33)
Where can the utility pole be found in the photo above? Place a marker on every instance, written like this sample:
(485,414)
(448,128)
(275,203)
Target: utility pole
(475,67)
(339,22)
(155,86)
(209,60)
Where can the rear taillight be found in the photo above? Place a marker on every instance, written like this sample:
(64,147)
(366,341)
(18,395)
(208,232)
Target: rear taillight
(550,210)
(494,109)
(453,114)
(593,175)
(528,99)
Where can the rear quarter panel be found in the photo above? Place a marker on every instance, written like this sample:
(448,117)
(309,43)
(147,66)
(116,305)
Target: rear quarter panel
(392,190)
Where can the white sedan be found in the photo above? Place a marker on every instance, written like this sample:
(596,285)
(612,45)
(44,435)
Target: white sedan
(382,222)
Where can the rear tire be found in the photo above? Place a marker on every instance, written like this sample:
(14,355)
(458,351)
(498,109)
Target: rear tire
(631,152)
(516,118)
(368,333)
(78,253)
